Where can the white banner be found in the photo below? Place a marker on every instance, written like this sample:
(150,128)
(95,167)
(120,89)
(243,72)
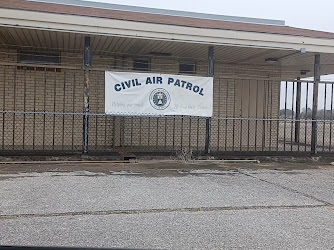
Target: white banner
(158,94)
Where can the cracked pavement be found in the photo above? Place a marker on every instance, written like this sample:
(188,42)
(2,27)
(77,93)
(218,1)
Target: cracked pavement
(168,205)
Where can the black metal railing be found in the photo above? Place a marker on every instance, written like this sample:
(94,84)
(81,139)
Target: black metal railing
(63,132)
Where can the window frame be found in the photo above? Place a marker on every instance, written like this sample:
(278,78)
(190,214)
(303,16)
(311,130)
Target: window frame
(32,57)
(193,64)
(141,61)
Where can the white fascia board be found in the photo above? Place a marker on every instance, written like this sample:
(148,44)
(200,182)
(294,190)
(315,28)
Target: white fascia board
(113,27)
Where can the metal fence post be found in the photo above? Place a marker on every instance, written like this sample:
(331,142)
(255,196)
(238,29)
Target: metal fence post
(86,65)
(315,104)
(298,99)
(211,72)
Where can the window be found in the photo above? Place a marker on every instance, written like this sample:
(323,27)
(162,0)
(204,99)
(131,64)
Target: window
(31,57)
(187,68)
(141,65)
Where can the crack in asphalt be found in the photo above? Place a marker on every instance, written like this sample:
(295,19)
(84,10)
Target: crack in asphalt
(166,210)
(288,189)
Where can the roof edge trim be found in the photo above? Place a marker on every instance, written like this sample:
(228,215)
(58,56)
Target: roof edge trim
(178,13)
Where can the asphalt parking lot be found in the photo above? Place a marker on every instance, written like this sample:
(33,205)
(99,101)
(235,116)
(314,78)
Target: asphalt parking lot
(168,205)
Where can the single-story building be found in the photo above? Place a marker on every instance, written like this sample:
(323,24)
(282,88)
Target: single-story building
(55,56)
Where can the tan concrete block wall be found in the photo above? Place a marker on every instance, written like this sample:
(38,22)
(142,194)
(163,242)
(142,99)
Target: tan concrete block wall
(29,90)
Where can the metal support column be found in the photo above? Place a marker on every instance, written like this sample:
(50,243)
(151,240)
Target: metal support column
(211,73)
(315,103)
(86,65)
(298,99)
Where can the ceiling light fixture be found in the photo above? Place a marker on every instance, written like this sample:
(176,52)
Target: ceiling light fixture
(271,60)
(302,50)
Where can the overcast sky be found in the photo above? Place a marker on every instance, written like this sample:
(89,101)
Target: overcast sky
(308,14)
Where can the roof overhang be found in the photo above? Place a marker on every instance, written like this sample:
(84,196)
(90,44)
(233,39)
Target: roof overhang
(143,30)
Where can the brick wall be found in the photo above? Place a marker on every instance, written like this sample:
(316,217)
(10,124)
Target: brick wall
(235,95)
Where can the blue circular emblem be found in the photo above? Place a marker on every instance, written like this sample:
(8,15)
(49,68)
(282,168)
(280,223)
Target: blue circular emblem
(160,99)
